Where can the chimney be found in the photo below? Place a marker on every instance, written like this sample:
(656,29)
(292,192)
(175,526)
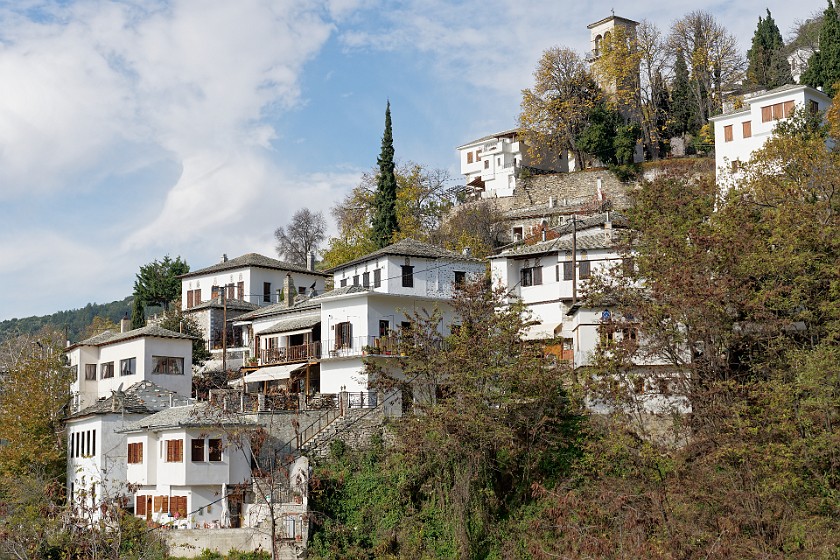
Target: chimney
(224,257)
(310,261)
(289,290)
(543,233)
(125,324)
(467,251)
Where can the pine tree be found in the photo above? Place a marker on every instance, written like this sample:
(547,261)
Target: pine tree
(768,65)
(385,202)
(683,110)
(824,66)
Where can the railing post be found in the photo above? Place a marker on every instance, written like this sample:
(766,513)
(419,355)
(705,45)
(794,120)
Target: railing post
(343,402)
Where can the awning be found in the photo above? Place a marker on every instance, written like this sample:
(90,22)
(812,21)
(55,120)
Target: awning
(542,331)
(294,325)
(270,373)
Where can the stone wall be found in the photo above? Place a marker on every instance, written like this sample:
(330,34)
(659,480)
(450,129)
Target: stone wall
(567,189)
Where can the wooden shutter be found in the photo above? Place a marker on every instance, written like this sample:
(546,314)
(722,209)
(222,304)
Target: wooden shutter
(747,125)
(767,113)
(727,133)
(164,503)
(158,503)
(190,302)
(537,275)
(788,108)
(179,506)
(240,287)
(140,507)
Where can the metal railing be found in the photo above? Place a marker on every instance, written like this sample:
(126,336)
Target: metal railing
(365,346)
(289,354)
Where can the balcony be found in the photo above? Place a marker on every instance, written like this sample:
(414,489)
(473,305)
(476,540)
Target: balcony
(290,354)
(365,346)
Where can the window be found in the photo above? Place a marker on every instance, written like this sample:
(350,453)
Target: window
(568,270)
(128,367)
(140,507)
(460,278)
(469,157)
(813,107)
(161,504)
(486,164)
(736,165)
(377,278)
(190,301)
(727,133)
(356,280)
(407,276)
(366,279)
(90,372)
(343,335)
(197,450)
(178,504)
(531,276)
(584,271)
(168,365)
(517,234)
(106,370)
(301,290)
(384,328)
(267,292)
(231,291)
(174,450)
(215,446)
(215,292)
(747,128)
(477,155)
(343,283)
(240,289)
(776,111)
(135,453)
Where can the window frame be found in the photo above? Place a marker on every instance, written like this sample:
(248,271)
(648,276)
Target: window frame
(727,133)
(106,370)
(135,453)
(197,449)
(746,129)
(174,451)
(90,372)
(215,450)
(167,361)
(407,275)
(132,363)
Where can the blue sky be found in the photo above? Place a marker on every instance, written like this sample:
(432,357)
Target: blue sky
(134,129)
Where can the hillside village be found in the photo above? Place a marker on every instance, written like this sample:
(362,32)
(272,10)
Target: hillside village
(318,364)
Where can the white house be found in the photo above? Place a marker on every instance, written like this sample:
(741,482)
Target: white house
(252,278)
(190,466)
(96,452)
(110,361)
(218,294)
(373,300)
(741,132)
(491,164)
(547,276)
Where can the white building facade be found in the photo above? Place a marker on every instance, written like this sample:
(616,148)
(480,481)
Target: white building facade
(740,133)
(491,164)
(109,361)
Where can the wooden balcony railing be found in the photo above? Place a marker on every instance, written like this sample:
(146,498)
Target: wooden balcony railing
(290,354)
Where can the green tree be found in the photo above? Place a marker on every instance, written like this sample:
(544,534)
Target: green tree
(384,222)
(683,108)
(824,66)
(158,284)
(555,111)
(767,62)
(175,320)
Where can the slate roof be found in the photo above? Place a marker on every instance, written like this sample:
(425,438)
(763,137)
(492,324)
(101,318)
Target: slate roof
(277,309)
(111,337)
(490,137)
(252,260)
(144,397)
(232,304)
(197,415)
(293,324)
(588,238)
(409,248)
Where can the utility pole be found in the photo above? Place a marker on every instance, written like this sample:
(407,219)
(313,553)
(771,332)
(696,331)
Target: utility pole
(574,259)
(224,328)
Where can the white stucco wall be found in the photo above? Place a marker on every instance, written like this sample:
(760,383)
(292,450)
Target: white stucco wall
(253,277)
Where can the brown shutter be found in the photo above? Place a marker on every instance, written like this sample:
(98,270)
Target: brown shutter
(727,133)
(164,503)
(747,129)
(788,108)
(158,503)
(190,298)
(140,508)
(767,113)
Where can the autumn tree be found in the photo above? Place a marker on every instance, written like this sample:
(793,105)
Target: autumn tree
(385,222)
(424,197)
(712,57)
(302,235)
(555,111)
(99,325)
(767,64)
(824,65)
(157,284)
(473,226)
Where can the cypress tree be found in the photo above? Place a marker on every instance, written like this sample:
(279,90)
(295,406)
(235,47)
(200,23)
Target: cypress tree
(385,201)
(824,66)
(768,65)
(683,110)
